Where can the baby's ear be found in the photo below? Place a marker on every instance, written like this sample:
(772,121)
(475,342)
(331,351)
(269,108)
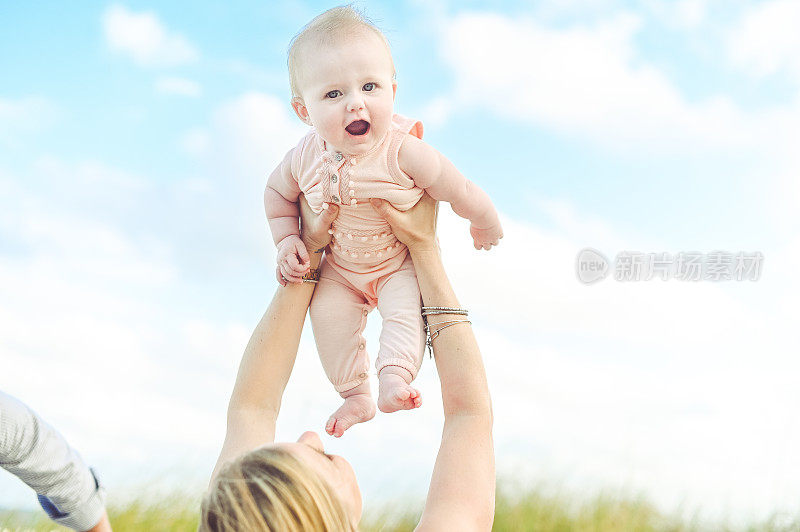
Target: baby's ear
(394,89)
(300,110)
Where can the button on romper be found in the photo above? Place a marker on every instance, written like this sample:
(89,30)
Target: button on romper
(365,265)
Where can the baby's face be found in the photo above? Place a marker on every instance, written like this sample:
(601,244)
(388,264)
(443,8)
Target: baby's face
(347,92)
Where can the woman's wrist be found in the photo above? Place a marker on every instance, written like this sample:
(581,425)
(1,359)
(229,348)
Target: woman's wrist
(315,252)
(434,285)
(422,247)
(315,262)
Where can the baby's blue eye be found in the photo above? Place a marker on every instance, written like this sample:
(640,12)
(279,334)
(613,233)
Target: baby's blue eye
(369,86)
(333,93)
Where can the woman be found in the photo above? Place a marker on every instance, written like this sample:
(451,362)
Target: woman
(296,486)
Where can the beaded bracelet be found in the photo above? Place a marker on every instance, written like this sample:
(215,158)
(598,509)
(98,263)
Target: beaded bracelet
(312,276)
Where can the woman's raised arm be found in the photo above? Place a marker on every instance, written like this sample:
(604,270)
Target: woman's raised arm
(462,490)
(269,357)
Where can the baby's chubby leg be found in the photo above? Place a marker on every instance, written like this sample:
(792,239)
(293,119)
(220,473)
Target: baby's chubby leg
(338,316)
(402,340)
(358,407)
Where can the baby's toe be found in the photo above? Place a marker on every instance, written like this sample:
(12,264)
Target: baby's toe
(341,426)
(402,394)
(329,426)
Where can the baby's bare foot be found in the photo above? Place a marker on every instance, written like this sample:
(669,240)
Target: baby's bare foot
(394,394)
(356,409)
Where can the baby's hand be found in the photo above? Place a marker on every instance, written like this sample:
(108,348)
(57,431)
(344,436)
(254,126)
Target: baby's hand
(486,238)
(293,260)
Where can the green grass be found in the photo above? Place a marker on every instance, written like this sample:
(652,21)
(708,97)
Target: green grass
(518,509)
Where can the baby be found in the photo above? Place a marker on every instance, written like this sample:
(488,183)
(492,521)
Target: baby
(343,84)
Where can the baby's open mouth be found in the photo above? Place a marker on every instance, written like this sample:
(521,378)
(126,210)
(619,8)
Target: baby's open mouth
(359,127)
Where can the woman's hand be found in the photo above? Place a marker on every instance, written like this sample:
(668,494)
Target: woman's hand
(416,227)
(314,227)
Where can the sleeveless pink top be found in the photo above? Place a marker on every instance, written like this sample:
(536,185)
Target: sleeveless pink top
(362,240)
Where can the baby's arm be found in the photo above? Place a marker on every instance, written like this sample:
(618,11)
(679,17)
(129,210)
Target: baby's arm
(441,179)
(283,215)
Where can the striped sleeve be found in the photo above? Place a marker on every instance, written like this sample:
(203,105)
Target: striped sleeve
(38,455)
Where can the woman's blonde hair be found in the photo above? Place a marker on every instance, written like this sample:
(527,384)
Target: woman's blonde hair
(329,28)
(269,489)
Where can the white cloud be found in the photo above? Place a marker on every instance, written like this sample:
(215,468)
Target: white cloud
(610,310)
(583,80)
(691,13)
(684,14)
(766,39)
(24,116)
(254,75)
(247,136)
(438,110)
(559,9)
(50,231)
(178,86)
(90,175)
(92,338)
(591,80)
(90,293)
(679,390)
(195,142)
(144,38)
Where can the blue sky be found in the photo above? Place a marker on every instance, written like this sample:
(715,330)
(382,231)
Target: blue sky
(135,139)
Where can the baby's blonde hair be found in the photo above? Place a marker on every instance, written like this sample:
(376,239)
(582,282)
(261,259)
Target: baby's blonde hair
(331,27)
(269,489)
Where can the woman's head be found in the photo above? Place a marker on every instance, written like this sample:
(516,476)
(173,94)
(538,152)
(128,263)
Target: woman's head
(343,80)
(286,486)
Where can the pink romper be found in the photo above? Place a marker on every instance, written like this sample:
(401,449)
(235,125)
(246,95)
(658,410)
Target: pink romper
(365,265)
